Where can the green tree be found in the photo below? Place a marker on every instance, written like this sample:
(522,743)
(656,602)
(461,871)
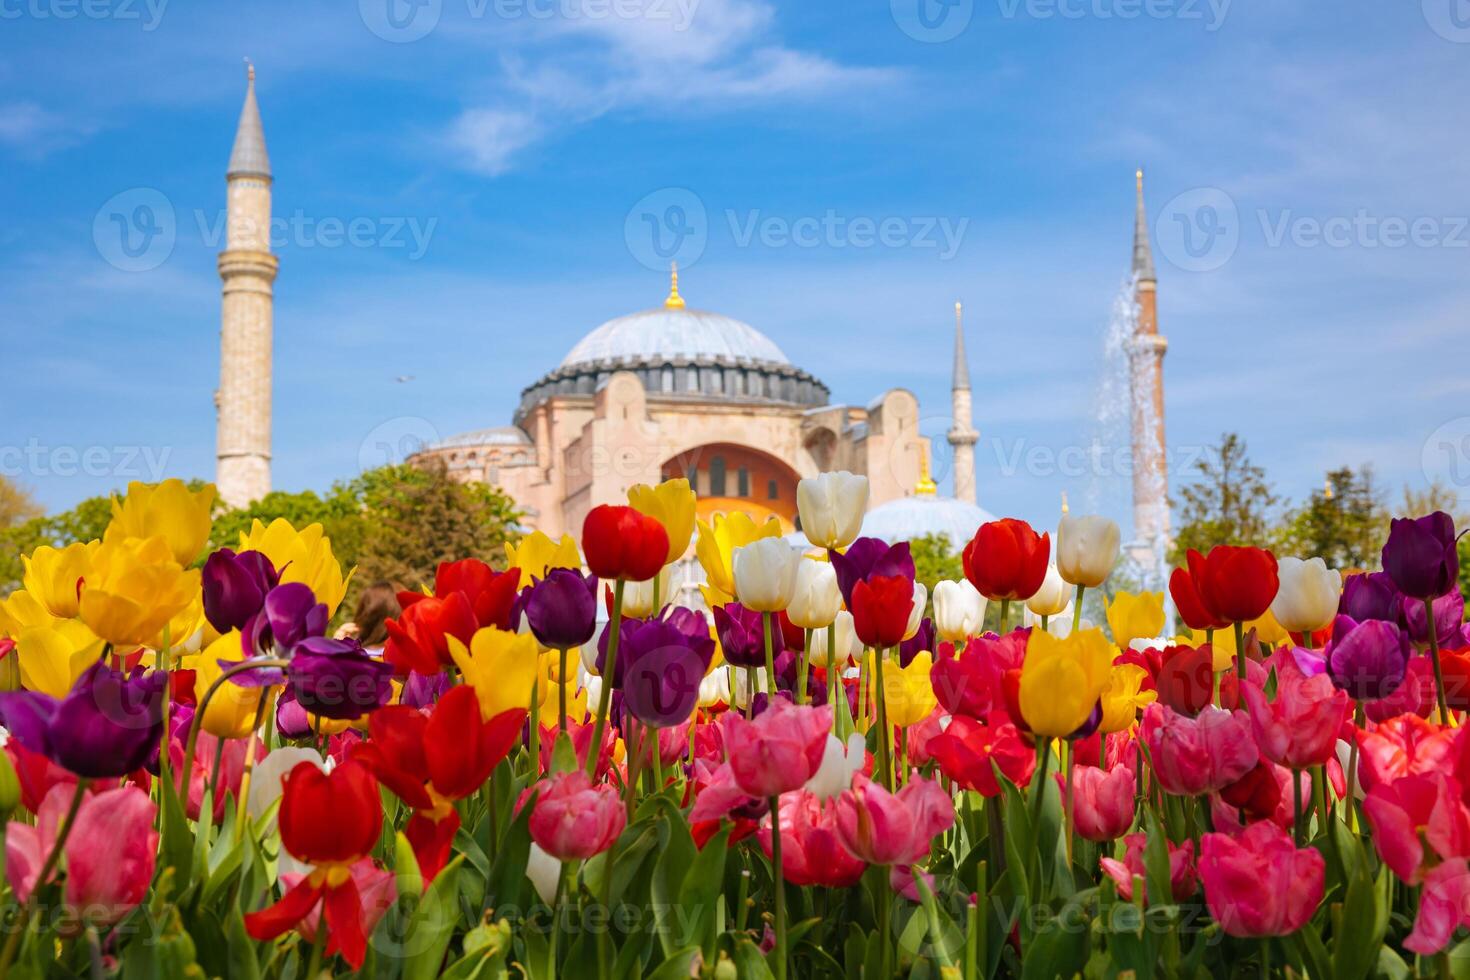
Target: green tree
(1228,502)
(16,504)
(1345,523)
(935,560)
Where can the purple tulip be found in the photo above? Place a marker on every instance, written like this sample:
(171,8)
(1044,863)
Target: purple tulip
(1449,616)
(1421,556)
(235,587)
(1090,725)
(562,608)
(661,669)
(338,679)
(289,615)
(1368,659)
(291,717)
(108,725)
(424,690)
(695,628)
(1370,596)
(741,635)
(924,641)
(868,557)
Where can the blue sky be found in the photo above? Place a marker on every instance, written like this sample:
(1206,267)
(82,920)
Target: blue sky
(1306,186)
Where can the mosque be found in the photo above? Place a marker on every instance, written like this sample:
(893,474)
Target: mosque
(666,392)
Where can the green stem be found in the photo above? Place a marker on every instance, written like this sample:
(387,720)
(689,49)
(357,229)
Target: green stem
(885,760)
(198,722)
(314,965)
(562,690)
(1444,711)
(1005,615)
(535,720)
(1068,808)
(1077,609)
(604,696)
(936,931)
(1359,720)
(1038,793)
(834,684)
(12,942)
(1240,659)
(561,879)
(806,655)
(1296,783)
(779,879)
(770,657)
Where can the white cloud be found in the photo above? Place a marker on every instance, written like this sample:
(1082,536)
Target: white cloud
(34,132)
(490,137)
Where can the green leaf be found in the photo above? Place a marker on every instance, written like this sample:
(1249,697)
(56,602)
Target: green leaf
(176,845)
(508,884)
(1059,948)
(750,962)
(563,755)
(1156,863)
(679,965)
(409,878)
(669,872)
(431,925)
(697,896)
(1355,948)
(240,949)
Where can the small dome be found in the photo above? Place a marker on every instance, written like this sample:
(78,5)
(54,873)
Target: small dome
(665,333)
(915,517)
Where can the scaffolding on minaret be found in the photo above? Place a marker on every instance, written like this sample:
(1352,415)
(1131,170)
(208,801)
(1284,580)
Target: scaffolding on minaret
(1146,389)
(962,434)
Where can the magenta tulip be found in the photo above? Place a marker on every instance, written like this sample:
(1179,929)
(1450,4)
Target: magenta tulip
(1102,801)
(778,751)
(1260,884)
(1194,756)
(1298,729)
(892,828)
(573,819)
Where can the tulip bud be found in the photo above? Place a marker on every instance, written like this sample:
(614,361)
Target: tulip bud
(1308,596)
(831,508)
(1087,548)
(816,600)
(959,610)
(1053,597)
(847,648)
(765,574)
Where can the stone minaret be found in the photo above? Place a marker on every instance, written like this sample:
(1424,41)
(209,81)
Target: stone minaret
(962,434)
(246,270)
(1146,378)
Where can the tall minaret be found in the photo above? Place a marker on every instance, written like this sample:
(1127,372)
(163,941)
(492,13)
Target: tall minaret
(246,269)
(962,435)
(1146,379)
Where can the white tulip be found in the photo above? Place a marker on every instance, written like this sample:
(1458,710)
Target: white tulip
(959,610)
(740,689)
(846,647)
(544,872)
(638,596)
(1053,597)
(916,614)
(1087,548)
(839,764)
(714,688)
(765,574)
(267,777)
(1309,594)
(1059,626)
(831,507)
(817,599)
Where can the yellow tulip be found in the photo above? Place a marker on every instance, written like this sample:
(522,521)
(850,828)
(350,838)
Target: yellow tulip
(1123,698)
(1061,680)
(185,632)
(537,554)
(908,695)
(52,657)
(20,611)
(232,711)
(671,503)
(547,686)
(501,666)
(717,543)
(53,575)
(1268,632)
(1135,617)
(136,588)
(303,556)
(169,510)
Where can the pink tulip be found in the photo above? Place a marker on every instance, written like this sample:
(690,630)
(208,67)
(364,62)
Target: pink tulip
(1260,884)
(1102,801)
(811,852)
(376,891)
(1444,906)
(717,793)
(1204,754)
(1403,746)
(778,751)
(574,819)
(1411,810)
(110,853)
(231,771)
(1182,878)
(892,828)
(1298,729)
(1228,818)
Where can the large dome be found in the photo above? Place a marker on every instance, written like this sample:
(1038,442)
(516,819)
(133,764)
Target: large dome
(665,334)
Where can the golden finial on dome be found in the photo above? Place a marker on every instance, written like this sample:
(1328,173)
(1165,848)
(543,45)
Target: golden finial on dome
(1327,488)
(249,70)
(675,301)
(926,487)
(1065,509)
(1139,175)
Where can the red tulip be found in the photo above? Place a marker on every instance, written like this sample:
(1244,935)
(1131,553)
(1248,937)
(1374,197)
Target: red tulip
(429,761)
(1260,884)
(881,608)
(969,683)
(1412,811)
(416,639)
(1257,794)
(491,594)
(1404,746)
(1186,678)
(969,752)
(375,886)
(1190,605)
(574,820)
(1298,729)
(811,852)
(778,751)
(1102,801)
(621,543)
(1007,559)
(1182,880)
(330,820)
(892,828)
(1236,584)
(1195,756)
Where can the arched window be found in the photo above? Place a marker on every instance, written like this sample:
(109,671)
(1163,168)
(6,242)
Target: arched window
(717,476)
(666,379)
(742,482)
